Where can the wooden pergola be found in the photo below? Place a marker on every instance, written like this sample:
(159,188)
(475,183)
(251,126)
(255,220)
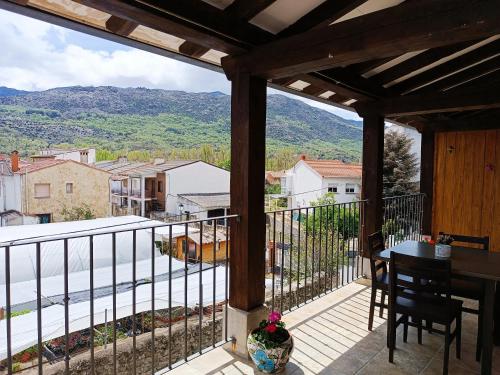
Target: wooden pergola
(432,65)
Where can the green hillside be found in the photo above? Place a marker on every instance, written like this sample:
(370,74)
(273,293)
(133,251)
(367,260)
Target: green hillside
(120,120)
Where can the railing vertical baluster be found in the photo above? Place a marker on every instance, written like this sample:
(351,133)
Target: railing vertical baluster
(8,309)
(320,247)
(282,260)
(313,251)
(170,245)
(338,243)
(273,260)
(332,242)
(327,265)
(358,231)
(200,286)
(66,307)
(299,224)
(226,291)
(290,263)
(91,275)
(39,306)
(214,282)
(343,242)
(348,225)
(153,318)
(113,256)
(186,256)
(134,300)
(306,255)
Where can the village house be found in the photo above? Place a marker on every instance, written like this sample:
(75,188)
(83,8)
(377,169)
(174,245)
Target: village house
(162,188)
(191,245)
(82,155)
(309,180)
(34,192)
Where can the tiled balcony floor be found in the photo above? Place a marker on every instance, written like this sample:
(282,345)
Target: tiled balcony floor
(331,337)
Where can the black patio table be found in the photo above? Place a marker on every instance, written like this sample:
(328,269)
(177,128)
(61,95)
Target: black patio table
(466,262)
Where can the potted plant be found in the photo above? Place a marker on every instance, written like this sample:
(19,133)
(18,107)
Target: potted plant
(270,345)
(443,246)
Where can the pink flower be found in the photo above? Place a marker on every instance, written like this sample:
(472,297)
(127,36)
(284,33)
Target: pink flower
(271,328)
(274,317)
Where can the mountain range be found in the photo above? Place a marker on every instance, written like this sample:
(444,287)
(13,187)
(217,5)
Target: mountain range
(115,118)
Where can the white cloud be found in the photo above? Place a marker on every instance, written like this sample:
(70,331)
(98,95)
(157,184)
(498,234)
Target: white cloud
(38,56)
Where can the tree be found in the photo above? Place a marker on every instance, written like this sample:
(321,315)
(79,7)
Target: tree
(400,165)
(84,212)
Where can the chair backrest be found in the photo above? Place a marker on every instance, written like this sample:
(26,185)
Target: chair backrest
(484,241)
(375,245)
(435,272)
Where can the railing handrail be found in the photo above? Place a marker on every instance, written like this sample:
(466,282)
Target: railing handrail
(77,234)
(318,206)
(404,196)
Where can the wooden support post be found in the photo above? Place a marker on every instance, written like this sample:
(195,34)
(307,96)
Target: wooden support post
(427,178)
(248,133)
(372,176)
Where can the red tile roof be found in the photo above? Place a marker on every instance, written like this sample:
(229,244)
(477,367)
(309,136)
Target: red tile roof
(335,168)
(33,167)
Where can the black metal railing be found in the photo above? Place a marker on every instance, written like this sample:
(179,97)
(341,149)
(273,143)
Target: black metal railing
(148,276)
(311,251)
(403,218)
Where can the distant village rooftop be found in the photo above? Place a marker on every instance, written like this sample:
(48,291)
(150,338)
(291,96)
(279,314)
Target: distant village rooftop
(334,168)
(209,201)
(123,167)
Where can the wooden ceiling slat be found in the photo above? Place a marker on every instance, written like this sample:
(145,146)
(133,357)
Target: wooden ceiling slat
(449,67)
(313,90)
(410,26)
(160,21)
(120,26)
(247,9)
(480,70)
(421,60)
(322,16)
(192,49)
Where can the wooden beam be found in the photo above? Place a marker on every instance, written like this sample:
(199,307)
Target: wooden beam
(458,63)
(372,174)
(419,61)
(212,19)
(248,235)
(477,71)
(463,100)
(484,121)
(120,26)
(321,16)
(192,49)
(407,27)
(157,20)
(318,80)
(247,9)
(313,90)
(427,178)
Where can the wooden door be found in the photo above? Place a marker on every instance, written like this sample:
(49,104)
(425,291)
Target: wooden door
(467,184)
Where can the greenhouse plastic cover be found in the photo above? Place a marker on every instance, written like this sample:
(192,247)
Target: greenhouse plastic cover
(23,276)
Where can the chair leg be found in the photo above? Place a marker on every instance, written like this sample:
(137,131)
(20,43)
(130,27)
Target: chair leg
(458,335)
(382,303)
(446,350)
(428,326)
(392,338)
(479,342)
(419,328)
(372,308)
(405,330)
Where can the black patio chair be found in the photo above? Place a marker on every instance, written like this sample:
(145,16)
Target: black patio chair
(471,289)
(423,301)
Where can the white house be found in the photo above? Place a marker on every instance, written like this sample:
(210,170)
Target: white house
(308,180)
(167,188)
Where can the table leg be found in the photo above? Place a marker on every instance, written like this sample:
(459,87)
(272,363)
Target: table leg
(487,352)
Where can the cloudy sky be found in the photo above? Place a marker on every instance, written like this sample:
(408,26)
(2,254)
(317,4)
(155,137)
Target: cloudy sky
(37,56)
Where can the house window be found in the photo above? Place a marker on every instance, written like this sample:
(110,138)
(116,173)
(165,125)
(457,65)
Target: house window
(332,188)
(69,188)
(42,190)
(160,186)
(350,188)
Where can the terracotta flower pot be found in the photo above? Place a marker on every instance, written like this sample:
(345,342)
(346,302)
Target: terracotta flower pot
(271,360)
